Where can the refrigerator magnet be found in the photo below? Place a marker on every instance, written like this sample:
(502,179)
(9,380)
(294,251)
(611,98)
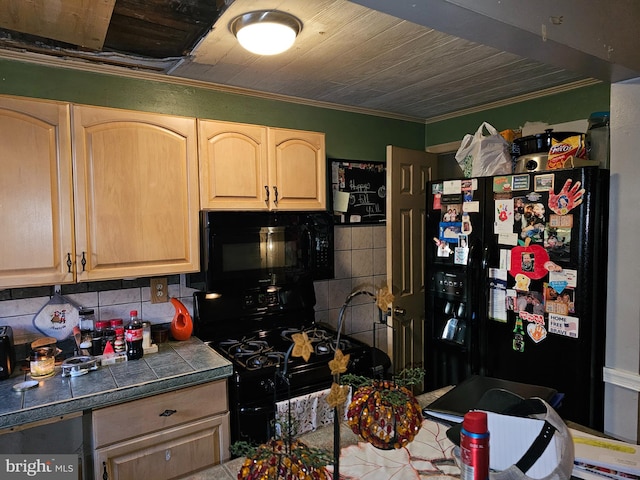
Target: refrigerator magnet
(472,207)
(518,336)
(466,224)
(537,332)
(461,255)
(437,204)
(520,182)
(564,325)
(567,199)
(502,184)
(503,221)
(529,260)
(522,282)
(450,187)
(443,248)
(544,183)
(449,231)
(565,276)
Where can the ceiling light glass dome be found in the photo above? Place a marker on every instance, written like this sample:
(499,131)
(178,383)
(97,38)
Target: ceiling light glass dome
(267,32)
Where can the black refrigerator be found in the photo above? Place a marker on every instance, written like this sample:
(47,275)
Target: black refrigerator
(516,283)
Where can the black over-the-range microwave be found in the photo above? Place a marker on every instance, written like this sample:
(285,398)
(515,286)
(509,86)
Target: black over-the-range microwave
(272,248)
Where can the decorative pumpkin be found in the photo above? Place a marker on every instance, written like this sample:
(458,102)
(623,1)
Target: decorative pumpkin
(384,414)
(282,460)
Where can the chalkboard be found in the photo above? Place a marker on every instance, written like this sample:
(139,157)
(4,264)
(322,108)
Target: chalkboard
(365,183)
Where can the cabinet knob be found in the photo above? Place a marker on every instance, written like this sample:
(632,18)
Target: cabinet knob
(168,413)
(167,455)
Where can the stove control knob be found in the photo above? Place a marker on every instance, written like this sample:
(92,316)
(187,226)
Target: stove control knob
(268,385)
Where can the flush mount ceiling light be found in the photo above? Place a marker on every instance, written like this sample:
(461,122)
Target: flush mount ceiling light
(266,32)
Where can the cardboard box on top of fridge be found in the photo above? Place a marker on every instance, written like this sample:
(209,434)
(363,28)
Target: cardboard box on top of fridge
(534,128)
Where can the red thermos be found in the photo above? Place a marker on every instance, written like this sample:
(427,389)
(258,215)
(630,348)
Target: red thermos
(474,447)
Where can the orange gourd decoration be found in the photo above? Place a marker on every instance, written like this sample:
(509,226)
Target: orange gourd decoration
(182,324)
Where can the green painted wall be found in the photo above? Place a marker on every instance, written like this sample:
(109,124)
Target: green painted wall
(348,135)
(575,104)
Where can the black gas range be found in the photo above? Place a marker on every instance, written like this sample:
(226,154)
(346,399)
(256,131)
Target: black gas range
(253,328)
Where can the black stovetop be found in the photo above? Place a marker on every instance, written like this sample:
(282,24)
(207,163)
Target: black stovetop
(263,349)
(253,328)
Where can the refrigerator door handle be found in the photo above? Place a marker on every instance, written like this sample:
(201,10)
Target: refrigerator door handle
(485,258)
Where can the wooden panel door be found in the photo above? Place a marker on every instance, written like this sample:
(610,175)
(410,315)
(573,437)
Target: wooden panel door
(297,170)
(136,191)
(36,195)
(233,166)
(167,454)
(408,171)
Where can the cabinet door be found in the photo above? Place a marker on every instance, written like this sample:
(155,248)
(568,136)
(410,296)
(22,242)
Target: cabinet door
(297,169)
(233,165)
(168,454)
(136,192)
(36,196)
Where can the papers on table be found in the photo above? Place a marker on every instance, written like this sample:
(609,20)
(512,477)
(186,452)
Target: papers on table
(599,457)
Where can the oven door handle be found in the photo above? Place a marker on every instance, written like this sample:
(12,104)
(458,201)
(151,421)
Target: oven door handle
(254,410)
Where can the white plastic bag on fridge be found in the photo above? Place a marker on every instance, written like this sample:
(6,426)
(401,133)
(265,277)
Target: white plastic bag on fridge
(483,155)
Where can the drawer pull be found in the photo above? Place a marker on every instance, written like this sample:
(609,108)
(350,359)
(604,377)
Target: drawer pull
(167,455)
(168,413)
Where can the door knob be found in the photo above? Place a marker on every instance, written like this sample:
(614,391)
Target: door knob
(399,311)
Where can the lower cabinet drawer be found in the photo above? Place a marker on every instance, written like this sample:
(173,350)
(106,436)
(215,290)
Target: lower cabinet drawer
(157,413)
(168,454)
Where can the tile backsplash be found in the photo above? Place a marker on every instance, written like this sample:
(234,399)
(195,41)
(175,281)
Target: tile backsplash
(107,304)
(360,264)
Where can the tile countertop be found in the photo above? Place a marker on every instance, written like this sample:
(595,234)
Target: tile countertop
(175,365)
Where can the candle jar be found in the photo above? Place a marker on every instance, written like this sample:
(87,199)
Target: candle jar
(42,362)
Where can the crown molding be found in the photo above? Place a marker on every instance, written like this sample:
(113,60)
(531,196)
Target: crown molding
(151,75)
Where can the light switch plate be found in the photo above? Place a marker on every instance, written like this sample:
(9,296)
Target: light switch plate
(158,290)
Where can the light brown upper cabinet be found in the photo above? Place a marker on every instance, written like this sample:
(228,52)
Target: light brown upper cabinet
(136,193)
(252,167)
(36,195)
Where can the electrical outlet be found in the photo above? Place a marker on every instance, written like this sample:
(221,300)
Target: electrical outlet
(159,290)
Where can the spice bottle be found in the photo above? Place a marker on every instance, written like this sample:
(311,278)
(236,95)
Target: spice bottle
(118,327)
(474,447)
(133,337)
(101,335)
(87,319)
